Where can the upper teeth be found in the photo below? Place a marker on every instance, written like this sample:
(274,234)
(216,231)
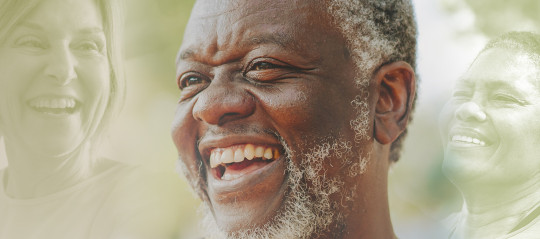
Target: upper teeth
(239,153)
(56,103)
(467,139)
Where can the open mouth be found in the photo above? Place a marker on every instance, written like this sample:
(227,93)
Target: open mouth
(54,106)
(236,161)
(468,141)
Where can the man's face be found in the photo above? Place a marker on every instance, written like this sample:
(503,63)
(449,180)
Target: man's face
(265,108)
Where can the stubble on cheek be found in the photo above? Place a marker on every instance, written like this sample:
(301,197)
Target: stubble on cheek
(309,207)
(194,180)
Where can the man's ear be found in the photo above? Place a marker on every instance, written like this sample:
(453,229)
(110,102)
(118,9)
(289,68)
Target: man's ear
(396,88)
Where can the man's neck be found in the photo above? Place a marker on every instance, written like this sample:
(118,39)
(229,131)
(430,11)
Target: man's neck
(368,213)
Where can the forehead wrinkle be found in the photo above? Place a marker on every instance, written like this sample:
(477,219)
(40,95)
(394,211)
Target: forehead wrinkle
(279,38)
(233,41)
(496,84)
(184,55)
(245,39)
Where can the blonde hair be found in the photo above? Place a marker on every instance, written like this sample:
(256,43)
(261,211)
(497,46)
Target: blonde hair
(13,11)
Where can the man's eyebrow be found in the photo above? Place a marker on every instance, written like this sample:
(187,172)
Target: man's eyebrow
(283,40)
(280,39)
(185,54)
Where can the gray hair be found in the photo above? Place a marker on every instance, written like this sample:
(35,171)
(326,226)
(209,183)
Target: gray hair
(377,32)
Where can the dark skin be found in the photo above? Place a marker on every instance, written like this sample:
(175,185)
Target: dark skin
(252,72)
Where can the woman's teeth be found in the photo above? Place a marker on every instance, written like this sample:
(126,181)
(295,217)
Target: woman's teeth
(467,139)
(53,105)
(239,153)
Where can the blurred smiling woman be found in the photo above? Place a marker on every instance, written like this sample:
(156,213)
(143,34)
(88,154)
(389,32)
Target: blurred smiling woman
(491,134)
(60,85)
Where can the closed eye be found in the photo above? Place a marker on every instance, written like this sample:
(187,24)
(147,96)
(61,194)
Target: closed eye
(267,69)
(506,99)
(89,46)
(31,42)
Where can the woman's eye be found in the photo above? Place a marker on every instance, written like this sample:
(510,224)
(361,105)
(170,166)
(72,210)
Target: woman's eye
(507,99)
(89,47)
(30,42)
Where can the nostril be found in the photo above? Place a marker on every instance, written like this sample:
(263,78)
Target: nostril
(228,117)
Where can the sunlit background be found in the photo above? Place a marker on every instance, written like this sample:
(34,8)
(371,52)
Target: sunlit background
(451,32)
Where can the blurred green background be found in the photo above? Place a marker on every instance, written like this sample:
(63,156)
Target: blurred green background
(153,34)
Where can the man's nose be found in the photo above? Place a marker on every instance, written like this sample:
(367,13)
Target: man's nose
(470,111)
(222,102)
(61,66)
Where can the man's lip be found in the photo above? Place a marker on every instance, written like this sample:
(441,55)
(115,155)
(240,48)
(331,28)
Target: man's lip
(249,180)
(208,143)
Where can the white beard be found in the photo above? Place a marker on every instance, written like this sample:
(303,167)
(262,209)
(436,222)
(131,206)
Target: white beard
(307,210)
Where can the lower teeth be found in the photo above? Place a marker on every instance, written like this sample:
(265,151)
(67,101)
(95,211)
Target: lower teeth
(230,176)
(224,175)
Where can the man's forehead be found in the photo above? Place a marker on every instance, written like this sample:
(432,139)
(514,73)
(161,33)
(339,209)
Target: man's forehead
(205,9)
(242,24)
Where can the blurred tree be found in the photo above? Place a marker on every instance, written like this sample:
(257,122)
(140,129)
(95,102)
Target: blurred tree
(495,17)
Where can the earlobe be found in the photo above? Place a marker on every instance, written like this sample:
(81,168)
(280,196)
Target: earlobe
(396,92)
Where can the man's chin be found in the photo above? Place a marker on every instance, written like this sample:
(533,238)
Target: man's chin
(249,201)
(245,215)
(293,219)
(299,215)
(304,209)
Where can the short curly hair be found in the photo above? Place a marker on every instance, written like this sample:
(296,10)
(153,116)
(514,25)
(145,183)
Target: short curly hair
(524,42)
(377,32)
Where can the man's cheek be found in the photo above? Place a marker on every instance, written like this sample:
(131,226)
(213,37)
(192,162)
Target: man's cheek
(184,135)
(193,175)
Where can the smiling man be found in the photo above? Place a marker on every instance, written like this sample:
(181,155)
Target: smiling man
(291,112)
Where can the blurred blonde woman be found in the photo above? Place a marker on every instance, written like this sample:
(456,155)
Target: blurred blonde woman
(60,85)
(491,133)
